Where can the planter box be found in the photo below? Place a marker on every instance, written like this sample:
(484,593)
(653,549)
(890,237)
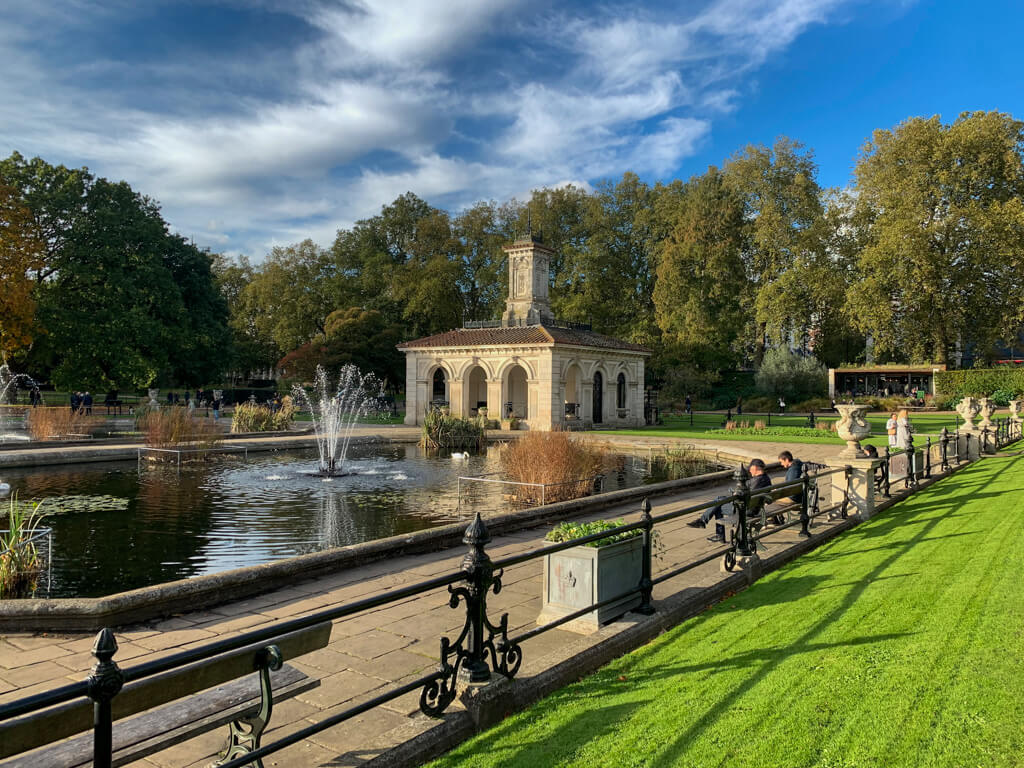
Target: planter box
(582,576)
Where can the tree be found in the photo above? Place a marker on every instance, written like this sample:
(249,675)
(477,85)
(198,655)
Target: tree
(111,309)
(700,275)
(295,290)
(56,198)
(782,208)
(945,253)
(480,231)
(249,350)
(791,376)
(21,252)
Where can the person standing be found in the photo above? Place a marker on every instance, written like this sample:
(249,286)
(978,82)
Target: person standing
(890,429)
(689,405)
(782,406)
(87,403)
(216,409)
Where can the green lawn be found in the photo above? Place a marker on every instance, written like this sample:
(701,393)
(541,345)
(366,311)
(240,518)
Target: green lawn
(680,427)
(901,643)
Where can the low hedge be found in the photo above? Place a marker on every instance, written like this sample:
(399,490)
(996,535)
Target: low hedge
(979,382)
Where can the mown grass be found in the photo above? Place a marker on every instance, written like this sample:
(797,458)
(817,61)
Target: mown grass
(681,428)
(901,643)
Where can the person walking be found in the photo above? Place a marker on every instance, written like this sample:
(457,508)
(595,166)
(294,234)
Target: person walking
(782,407)
(689,405)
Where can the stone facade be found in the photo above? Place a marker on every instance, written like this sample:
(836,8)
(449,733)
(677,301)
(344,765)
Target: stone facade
(549,376)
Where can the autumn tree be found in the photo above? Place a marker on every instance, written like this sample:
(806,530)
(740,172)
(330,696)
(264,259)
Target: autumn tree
(945,253)
(21,252)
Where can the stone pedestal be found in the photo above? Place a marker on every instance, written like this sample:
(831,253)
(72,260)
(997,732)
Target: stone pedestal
(971,448)
(861,484)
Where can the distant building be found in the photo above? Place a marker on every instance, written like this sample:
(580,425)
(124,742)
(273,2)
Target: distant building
(882,379)
(547,374)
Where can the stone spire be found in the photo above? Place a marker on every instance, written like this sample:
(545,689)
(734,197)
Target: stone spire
(528,264)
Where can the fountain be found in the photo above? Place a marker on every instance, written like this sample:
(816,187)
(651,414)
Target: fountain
(8,382)
(335,414)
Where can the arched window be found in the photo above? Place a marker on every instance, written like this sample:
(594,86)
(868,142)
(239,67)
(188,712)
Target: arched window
(438,392)
(620,391)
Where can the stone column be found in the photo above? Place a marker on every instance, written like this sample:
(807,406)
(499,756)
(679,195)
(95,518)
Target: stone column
(861,487)
(455,398)
(495,408)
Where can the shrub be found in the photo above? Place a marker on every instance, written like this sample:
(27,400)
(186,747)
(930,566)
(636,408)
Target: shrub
(760,404)
(794,377)
(20,565)
(170,427)
(568,531)
(55,423)
(1002,397)
(249,417)
(553,459)
(979,382)
(812,404)
(442,431)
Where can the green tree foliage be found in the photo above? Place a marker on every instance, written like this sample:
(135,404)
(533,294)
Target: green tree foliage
(785,374)
(700,275)
(945,253)
(289,297)
(353,335)
(249,349)
(480,233)
(784,254)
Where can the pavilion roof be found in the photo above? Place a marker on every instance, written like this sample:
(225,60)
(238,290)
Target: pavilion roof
(528,335)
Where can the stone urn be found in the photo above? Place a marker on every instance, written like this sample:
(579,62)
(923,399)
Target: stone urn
(152,398)
(852,427)
(987,408)
(968,408)
(1017,411)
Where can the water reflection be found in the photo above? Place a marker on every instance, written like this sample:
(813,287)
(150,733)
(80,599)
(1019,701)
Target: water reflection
(232,512)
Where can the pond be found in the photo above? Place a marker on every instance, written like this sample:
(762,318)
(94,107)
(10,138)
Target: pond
(232,512)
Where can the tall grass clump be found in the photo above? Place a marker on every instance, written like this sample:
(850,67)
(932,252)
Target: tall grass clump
(55,423)
(249,417)
(555,459)
(444,432)
(20,564)
(171,427)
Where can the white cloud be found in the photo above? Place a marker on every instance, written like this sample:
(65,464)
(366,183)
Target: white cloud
(457,102)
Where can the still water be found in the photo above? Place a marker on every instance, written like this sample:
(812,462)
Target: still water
(231,512)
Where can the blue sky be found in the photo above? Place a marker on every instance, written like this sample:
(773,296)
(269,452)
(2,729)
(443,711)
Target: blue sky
(263,122)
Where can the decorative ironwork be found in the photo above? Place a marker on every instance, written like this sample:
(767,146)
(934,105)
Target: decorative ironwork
(464,660)
(805,500)
(245,733)
(105,682)
(646,582)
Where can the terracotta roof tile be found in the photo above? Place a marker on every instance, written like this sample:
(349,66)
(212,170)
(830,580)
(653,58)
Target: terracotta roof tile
(531,334)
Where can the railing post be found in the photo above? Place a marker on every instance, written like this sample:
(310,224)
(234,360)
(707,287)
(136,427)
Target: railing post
(805,518)
(928,457)
(741,504)
(944,450)
(105,681)
(956,437)
(479,571)
(646,580)
(887,488)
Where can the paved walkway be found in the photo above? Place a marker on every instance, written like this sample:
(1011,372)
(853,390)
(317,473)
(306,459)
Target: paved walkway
(369,653)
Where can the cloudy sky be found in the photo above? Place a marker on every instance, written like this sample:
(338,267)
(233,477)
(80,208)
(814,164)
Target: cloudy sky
(261,122)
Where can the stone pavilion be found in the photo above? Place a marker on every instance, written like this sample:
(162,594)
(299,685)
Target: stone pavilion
(549,375)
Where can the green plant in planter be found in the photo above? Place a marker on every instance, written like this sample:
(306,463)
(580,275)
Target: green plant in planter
(568,530)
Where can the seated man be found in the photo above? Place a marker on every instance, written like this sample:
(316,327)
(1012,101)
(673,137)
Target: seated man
(794,471)
(758,479)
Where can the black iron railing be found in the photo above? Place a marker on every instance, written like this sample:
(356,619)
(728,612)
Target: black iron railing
(483,646)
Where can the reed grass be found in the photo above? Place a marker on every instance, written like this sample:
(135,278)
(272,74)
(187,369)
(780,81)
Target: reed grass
(54,423)
(249,417)
(171,427)
(566,465)
(20,564)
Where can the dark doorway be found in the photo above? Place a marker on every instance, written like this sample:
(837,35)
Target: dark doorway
(598,398)
(438,391)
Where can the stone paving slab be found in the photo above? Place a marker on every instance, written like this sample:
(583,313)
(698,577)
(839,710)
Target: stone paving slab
(369,653)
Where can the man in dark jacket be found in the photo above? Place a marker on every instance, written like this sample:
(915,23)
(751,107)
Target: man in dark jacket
(794,471)
(758,479)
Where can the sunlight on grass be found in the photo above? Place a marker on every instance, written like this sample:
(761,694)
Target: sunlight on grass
(898,644)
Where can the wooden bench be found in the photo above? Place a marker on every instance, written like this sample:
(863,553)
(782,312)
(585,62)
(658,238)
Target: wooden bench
(173,709)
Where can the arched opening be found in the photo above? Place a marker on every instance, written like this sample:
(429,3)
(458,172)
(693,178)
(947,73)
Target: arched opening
(620,391)
(573,380)
(439,388)
(475,388)
(517,396)
(598,398)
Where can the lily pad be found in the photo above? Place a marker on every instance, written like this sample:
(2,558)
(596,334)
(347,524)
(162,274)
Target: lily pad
(73,504)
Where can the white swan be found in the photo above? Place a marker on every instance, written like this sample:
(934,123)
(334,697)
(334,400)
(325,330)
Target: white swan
(457,455)
(5,489)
